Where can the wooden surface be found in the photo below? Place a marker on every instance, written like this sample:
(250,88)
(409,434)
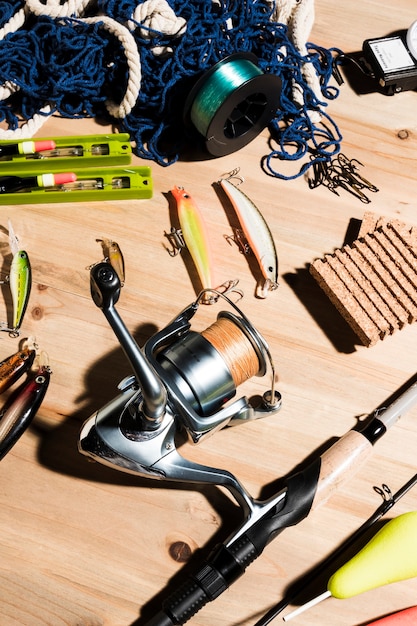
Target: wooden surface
(85,544)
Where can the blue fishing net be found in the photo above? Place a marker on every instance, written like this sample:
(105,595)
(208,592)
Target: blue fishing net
(76,67)
(70,65)
(8,8)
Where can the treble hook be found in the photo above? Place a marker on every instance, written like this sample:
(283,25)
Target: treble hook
(349,183)
(351,170)
(210,296)
(240,240)
(176,239)
(317,173)
(233,175)
(229,287)
(323,173)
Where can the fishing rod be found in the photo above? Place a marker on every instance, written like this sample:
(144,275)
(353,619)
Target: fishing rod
(183,381)
(302,492)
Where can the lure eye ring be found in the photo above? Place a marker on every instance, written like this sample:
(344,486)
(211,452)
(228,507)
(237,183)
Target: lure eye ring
(40,379)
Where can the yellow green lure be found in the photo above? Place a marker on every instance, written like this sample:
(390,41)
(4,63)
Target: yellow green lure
(20,282)
(193,233)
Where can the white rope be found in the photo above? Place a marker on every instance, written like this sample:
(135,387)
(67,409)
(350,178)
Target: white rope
(299,28)
(33,125)
(15,22)
(298,16)
(282,10)
(133,60)
(7,90)
(156,16)
(30,127)
(54,8)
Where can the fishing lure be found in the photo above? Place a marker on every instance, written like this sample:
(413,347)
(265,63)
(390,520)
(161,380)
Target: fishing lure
(256,233)
(193,236)
(113,254)
(14,366)
(21,408)
(20,282)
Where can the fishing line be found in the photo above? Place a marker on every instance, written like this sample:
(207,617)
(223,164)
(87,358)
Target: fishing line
(208,367)
(232,103)
(236,349)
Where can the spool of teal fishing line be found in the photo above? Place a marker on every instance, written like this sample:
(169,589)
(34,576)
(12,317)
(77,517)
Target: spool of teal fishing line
(232,103)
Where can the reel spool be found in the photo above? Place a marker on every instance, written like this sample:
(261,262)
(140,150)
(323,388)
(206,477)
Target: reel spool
(208,367)
(232,103)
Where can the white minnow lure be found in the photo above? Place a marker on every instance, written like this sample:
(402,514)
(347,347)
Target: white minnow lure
(20,281)
(257,234)
(194,233)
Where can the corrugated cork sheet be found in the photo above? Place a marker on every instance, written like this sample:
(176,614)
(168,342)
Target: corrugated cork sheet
(373,281)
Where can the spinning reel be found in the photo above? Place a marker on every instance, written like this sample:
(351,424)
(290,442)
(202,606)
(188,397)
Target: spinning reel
(181,379)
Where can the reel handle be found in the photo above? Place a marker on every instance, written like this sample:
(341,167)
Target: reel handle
(105,290)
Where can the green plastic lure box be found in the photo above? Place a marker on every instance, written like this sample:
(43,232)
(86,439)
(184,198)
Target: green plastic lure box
(104,183)
(72,152)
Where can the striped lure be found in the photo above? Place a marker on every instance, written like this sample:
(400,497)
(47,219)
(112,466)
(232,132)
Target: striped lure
(21,407)
(15,366)
(257,234)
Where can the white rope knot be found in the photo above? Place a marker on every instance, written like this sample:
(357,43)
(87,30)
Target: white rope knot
(156,16)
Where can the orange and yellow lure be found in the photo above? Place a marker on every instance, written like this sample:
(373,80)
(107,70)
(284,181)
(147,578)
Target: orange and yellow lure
(194,236)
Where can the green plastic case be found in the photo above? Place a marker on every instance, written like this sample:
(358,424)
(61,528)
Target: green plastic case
(118,183)
(96,150)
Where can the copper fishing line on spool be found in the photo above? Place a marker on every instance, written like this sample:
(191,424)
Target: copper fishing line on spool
(236,349)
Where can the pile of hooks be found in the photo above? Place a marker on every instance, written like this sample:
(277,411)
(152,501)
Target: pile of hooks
(133,64)
(341,172)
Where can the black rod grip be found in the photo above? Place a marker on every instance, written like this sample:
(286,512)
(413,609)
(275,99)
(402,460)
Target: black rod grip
(225,566)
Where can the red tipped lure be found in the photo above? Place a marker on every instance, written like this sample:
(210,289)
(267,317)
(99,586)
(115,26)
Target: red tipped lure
(21,408)
(194,233)
(257,234)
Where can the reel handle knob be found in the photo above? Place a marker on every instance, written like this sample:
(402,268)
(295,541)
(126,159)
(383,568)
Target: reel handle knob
(104,285)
